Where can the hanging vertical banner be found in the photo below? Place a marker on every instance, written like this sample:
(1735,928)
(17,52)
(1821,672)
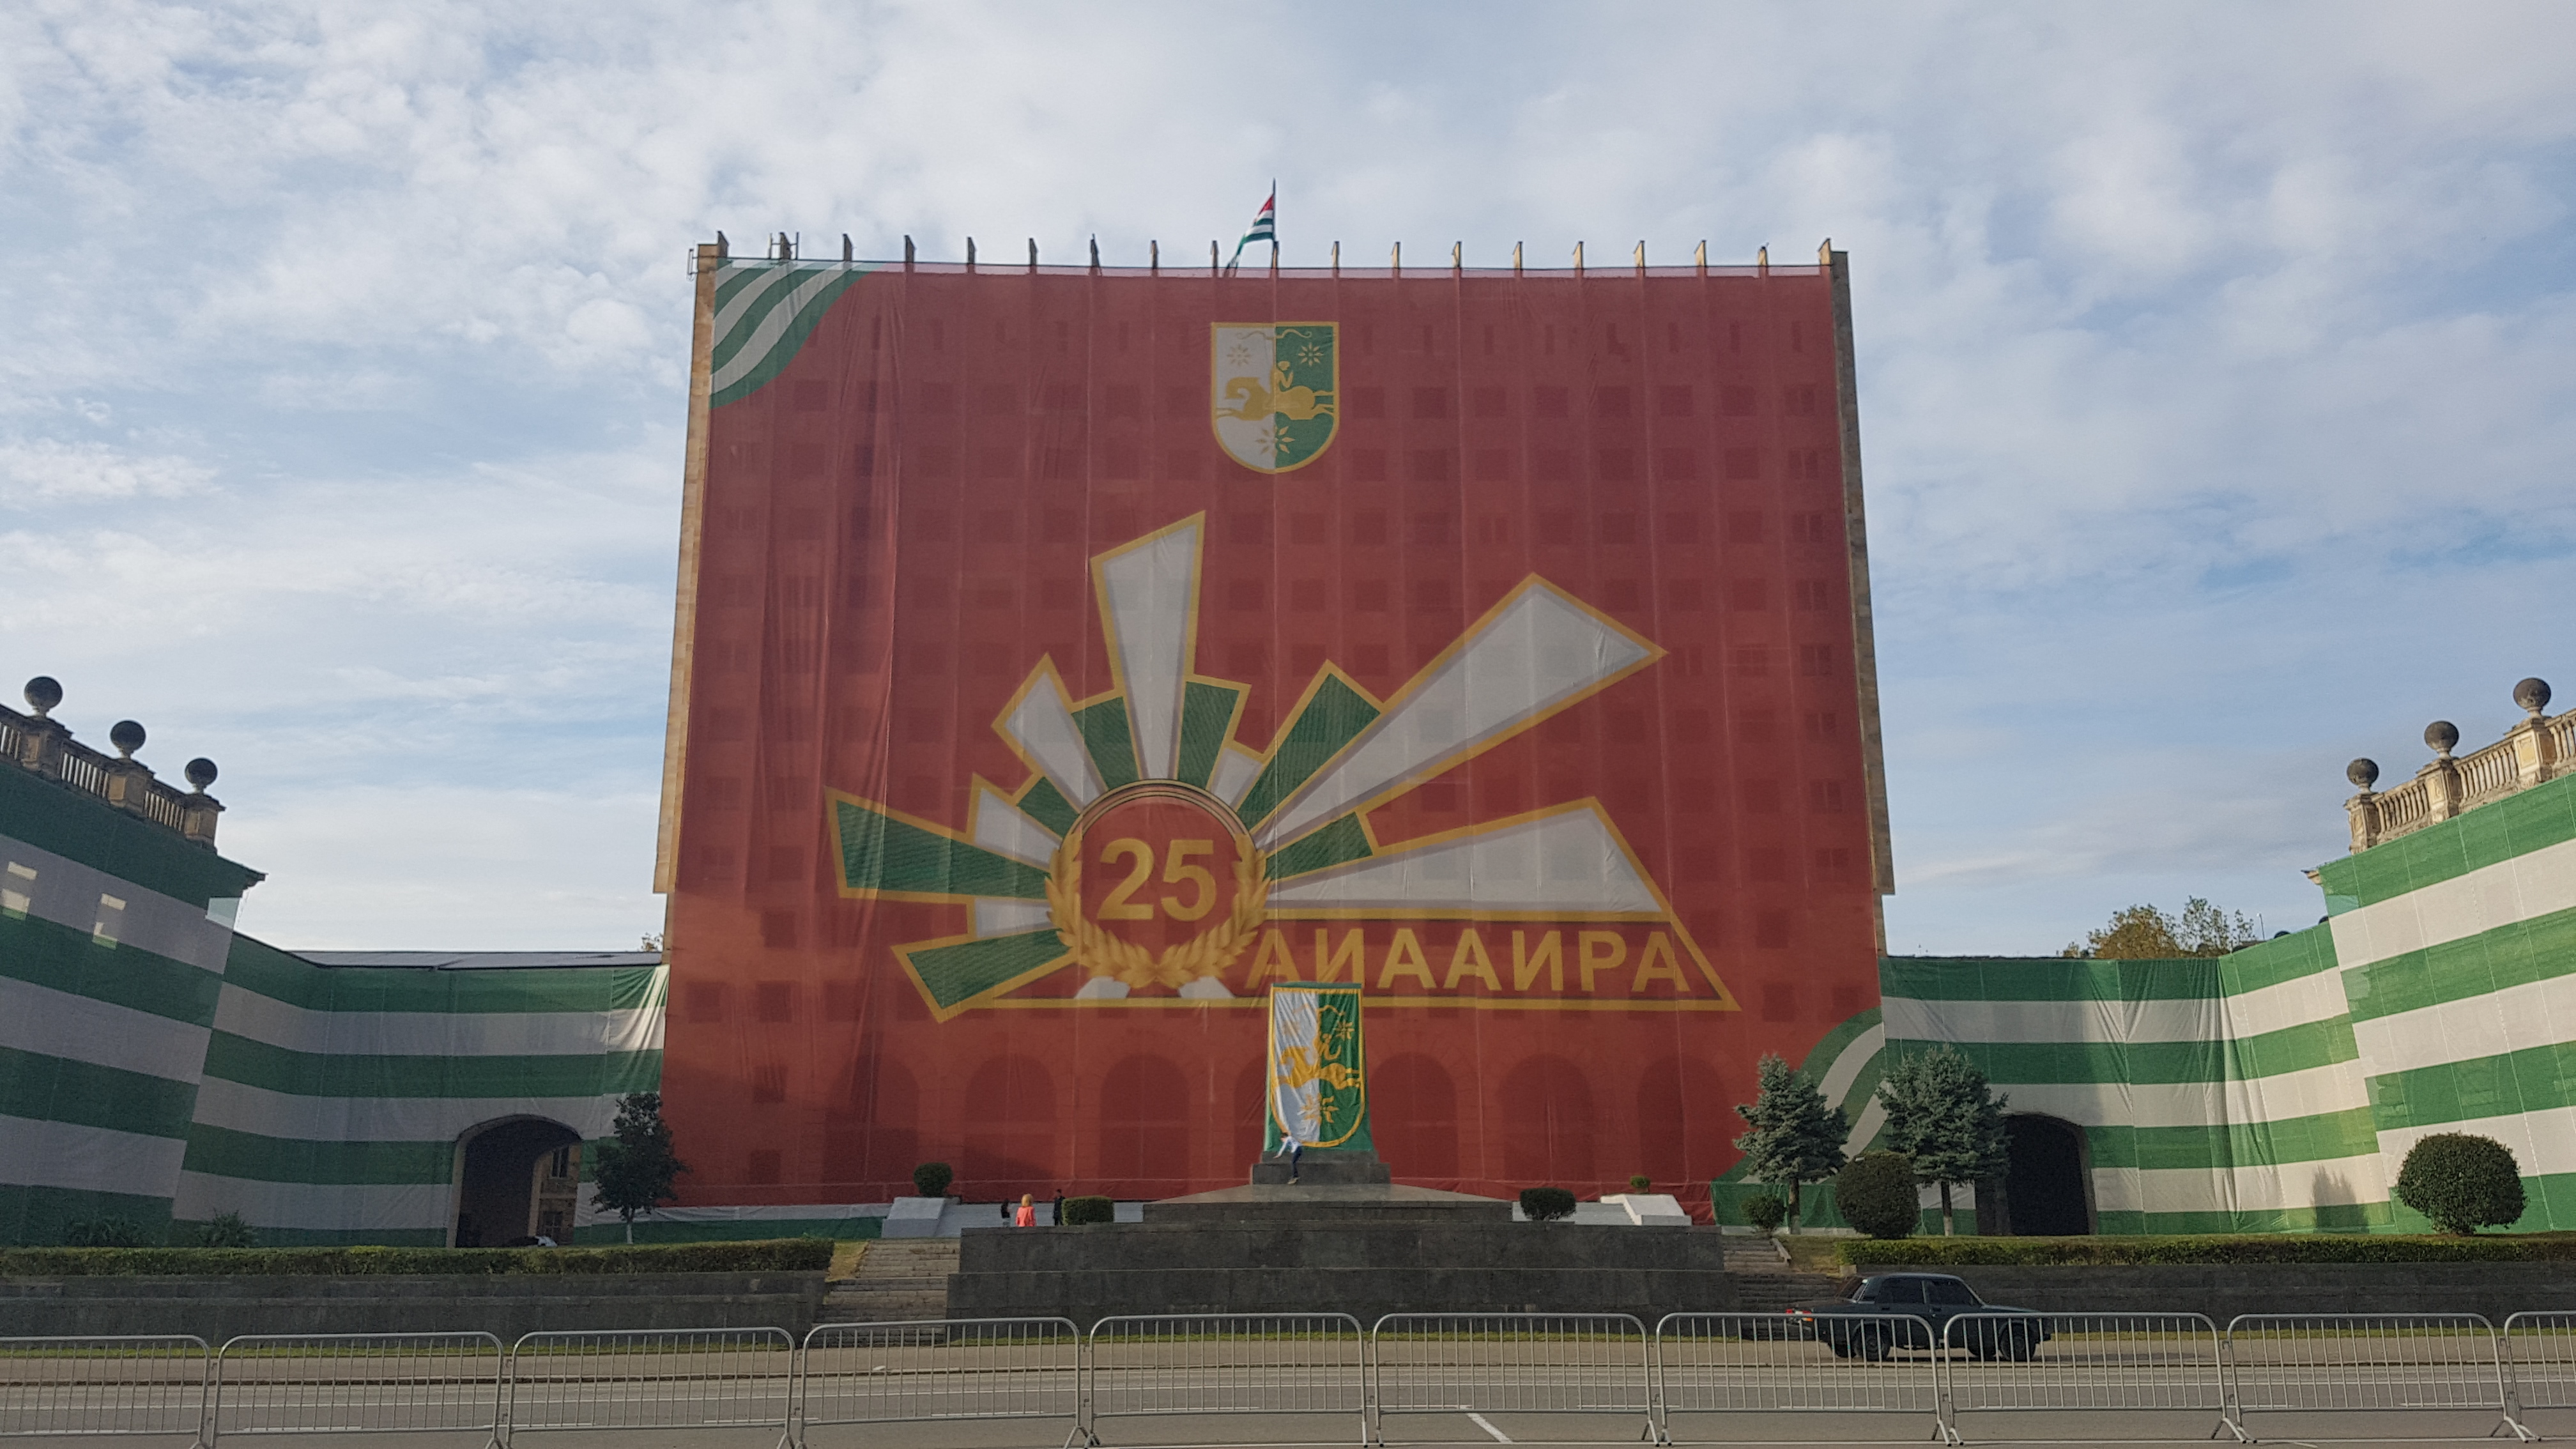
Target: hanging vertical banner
(1318,1070)
(1071,660)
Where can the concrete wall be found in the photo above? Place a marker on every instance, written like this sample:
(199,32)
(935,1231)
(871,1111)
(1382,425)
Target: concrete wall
(2222,1292)
(217,1308)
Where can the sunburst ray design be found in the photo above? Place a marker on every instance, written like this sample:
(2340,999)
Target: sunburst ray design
(1340,754)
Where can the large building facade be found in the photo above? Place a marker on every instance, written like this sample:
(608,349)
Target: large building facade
(1064,653)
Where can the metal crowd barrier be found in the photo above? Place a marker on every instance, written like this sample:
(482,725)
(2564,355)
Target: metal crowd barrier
(1235,1363)
(940,1369)
(1513,1363)
(696,1378)
(2366,1363)
(2540,1366)
(2080,1362)
(98,1386)
(1729,1363)
(357,1383)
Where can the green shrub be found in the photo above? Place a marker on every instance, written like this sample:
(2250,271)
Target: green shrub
(223,1230)
(1546,1204)
(1081,1210)
(1639,1182)
(775,1255)
(1765,1211)
(1876,1194)
(931,1179)
(107,1232)
(2462,1181)
(2209,1248)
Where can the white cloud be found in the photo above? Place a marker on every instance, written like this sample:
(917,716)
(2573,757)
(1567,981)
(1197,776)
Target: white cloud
(2215,361)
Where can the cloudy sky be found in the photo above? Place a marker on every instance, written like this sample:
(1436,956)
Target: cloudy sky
(2218,375)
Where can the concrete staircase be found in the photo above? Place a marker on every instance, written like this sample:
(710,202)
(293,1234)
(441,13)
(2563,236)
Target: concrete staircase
(1765,1282)
(898,1279)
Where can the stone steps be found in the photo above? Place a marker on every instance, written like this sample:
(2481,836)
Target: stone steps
(898,1279)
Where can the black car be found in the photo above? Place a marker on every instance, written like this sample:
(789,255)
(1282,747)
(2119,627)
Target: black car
(1923,1304)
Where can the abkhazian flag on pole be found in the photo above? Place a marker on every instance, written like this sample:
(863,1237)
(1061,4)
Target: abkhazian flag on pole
(1264,226)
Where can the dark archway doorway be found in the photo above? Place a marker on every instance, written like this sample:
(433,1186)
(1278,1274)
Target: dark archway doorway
(517,1179)
(2048,1190)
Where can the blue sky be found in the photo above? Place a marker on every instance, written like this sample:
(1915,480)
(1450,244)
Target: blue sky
(2217,367)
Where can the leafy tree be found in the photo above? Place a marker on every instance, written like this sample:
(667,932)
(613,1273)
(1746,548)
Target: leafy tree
(1877,1195)
(1764,1211)
(1941,1113)
(931,1179)
(636,1167)
(2461,1181)
(2144,933)
(1639,1182)
(1795,1136)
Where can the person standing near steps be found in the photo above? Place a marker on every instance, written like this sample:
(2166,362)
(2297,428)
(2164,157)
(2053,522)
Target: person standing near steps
(1294,1151)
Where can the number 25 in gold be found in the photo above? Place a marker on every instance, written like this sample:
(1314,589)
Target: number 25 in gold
(1177,870)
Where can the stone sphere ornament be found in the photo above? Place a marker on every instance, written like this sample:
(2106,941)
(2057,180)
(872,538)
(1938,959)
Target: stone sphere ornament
(2441,734)
(2363,773)
(2532,695)
(127,735)
(201,773)
(43,694)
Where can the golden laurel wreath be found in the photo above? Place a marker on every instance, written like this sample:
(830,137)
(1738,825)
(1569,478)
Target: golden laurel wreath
(1197,959)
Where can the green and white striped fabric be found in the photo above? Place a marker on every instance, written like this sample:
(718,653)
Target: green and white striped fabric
(2218,1095)
(2458,951)
(764,313)
(334,1097)
(113,936)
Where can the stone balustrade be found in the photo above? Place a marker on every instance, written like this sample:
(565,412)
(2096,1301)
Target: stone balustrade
(2537,750)
(37,742)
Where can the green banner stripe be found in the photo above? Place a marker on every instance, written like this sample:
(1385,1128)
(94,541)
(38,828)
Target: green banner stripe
(45,1088)
(2293,957)
(2493,833)
(1326,845)
(1045,804)
(1820,1057)
(47,953)
(954,973)
(759,289)
(2217,1147)
(1108,740)
(36,1217)
(315,1074)
(224,1152)
(2267,1054)
(1966,978)
(881,853)
(2512,955)
(79,826)
(1332,718)
(2341,1217)
(259,967)
(1207,718)
(2507,1084)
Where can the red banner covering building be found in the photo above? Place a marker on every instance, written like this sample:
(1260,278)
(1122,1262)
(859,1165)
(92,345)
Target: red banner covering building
(1065,653)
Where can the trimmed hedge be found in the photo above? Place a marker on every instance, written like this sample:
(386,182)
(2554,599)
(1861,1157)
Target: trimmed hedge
(773,1255)
(1079,1211)
(2214,1248)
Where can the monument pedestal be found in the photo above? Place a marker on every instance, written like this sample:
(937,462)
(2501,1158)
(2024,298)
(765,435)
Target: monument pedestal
(1362,1248)
(1322,1167)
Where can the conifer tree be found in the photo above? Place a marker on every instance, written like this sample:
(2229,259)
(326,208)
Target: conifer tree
(635,1167)
(1795,1136)
(1941,1113)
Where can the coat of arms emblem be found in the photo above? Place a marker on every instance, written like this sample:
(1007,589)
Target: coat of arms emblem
(1274,388)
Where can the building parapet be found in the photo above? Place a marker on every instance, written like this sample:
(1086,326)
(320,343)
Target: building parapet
(39,743)
(2538,750)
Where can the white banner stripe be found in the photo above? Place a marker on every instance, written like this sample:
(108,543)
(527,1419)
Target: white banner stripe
(2342,1181)
(2520,889)
(2542,1142)
(2335,1087)
(83,1029)
(68,893)
(324,1207)
(2533,1014)
(69,1156)
(436,1033)
(243,1108)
